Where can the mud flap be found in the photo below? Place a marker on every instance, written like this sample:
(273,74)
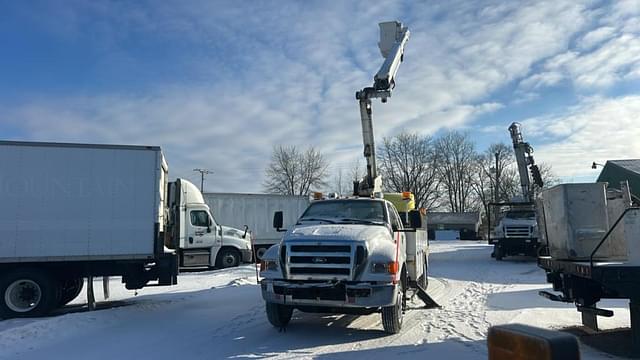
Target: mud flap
(428,301)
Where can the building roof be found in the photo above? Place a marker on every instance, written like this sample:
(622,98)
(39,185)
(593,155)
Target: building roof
(615,171)
(453,218)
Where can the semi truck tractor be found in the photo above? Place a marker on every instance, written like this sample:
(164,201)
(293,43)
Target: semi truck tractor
(72,211)
(197,237)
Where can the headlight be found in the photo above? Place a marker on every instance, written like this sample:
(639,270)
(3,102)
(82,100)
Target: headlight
(268,265)
(387,268)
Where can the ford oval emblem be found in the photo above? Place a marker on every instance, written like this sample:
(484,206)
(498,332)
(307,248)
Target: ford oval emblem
(319,260)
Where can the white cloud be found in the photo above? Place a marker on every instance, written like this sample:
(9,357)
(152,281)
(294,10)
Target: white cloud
(595,37)
(602,57)
(595,130)
(287,74)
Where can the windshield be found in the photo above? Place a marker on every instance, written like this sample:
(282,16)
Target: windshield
(345,211)
(521,215)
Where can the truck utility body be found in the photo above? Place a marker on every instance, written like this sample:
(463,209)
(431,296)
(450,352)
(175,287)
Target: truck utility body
(69,211)
(593,238)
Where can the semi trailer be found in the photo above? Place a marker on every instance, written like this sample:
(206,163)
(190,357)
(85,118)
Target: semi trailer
(255,211)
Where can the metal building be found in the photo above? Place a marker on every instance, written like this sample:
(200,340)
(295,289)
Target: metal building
(615,171)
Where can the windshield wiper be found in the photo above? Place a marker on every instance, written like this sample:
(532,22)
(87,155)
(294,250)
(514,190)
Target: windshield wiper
(316,219)
(361,221)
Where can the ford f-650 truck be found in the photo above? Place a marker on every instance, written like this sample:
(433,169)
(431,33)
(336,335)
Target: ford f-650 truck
(349,256)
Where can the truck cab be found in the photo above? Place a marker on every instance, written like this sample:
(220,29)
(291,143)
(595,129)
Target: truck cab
(516,232)
(343,256)
(195,234)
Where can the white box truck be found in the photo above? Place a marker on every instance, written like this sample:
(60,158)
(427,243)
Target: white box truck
(70,211)
(256,212)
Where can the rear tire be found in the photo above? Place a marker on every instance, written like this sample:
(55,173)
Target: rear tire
(69,290)
(259,253)
(27,292)
(392,315)
(279,315)
(227,258)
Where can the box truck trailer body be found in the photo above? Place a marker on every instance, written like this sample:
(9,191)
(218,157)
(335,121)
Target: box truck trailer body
(80,202)
(68,211)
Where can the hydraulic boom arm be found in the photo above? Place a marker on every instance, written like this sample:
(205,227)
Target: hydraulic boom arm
(393,38)
(524,159)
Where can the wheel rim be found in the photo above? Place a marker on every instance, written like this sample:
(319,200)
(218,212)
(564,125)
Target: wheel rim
(229,260)
(23,295)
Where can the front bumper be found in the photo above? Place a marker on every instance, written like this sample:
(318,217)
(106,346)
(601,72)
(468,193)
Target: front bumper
(354,295)
(515,245)
(247,255)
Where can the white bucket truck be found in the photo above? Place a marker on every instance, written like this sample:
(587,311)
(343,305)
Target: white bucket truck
(352,255)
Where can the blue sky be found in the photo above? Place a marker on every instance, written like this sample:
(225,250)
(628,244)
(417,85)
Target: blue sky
(217,84)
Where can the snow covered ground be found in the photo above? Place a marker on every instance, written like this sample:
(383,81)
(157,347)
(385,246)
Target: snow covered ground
(220,314)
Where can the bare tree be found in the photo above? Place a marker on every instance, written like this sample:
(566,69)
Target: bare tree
(338,184)
(496,177)
(549,179)
(457,169)
(408,162)
(293,172)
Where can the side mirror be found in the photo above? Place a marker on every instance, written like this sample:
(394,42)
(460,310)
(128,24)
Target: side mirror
(209,223)
(246,228)
(278,221)
(415,219)
(219,230)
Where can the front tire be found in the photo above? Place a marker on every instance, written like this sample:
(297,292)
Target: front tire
(27,292)
(425,280)
(228,258)
(499,252)
(392,315)
(279,315)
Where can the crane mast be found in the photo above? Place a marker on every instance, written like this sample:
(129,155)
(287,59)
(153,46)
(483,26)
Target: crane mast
(525,161)
(393,37)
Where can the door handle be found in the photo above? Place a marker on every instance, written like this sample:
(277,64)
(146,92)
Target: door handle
(190,240)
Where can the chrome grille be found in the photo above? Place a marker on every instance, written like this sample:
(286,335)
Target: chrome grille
(320,261)
(517,231)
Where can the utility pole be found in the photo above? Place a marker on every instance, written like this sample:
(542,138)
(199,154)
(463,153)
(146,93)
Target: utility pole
(202,174)
(497,189)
